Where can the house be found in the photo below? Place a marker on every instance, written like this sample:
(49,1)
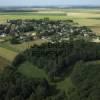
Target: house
(60,33)
(3,35)
(43,37)
(33,34)
(86,35)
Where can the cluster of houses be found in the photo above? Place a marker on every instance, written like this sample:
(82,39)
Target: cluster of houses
(25,30)
(2,30)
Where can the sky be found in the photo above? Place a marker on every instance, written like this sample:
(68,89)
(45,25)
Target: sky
(47,2)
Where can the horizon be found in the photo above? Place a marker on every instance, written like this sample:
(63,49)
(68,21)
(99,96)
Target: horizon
(50,6)
(10,3)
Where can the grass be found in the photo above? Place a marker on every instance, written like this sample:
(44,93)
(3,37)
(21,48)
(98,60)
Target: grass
(21,47)
(9,51)
(30,70)
(4,16)
(3,63)
(65,85)
(7,54)
(96,29)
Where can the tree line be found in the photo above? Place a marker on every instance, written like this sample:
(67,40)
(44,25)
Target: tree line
(14,86)
(57,59)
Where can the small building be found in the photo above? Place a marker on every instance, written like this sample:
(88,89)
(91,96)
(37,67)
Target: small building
(3,35)
(86,35)
(33,34)
(43,37)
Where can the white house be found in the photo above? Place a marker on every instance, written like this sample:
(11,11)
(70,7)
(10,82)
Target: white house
(3,35)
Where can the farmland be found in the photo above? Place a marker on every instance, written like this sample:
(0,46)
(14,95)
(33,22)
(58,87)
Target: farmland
(90,18)
(7,54)
(21,47)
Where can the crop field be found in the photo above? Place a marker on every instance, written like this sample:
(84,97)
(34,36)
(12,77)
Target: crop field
(29,15)
(9,51)
(7,54)
(21,47)
(90,17)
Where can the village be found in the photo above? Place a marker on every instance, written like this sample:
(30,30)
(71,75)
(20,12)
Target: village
(19,31)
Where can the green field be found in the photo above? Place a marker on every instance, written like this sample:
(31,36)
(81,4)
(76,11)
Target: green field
(31,71)
(21,47)
(9,51)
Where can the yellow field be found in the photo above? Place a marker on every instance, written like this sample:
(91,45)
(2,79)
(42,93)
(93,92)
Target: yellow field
(83,14)
(90,19)
(8,54)
(96,29)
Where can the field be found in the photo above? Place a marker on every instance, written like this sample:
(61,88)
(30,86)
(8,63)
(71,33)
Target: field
(30,71)
(27,69)
(86,17)
(7,54)
(21,47)
(3,63)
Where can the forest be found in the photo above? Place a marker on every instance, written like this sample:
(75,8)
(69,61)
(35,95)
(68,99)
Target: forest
(76,59)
